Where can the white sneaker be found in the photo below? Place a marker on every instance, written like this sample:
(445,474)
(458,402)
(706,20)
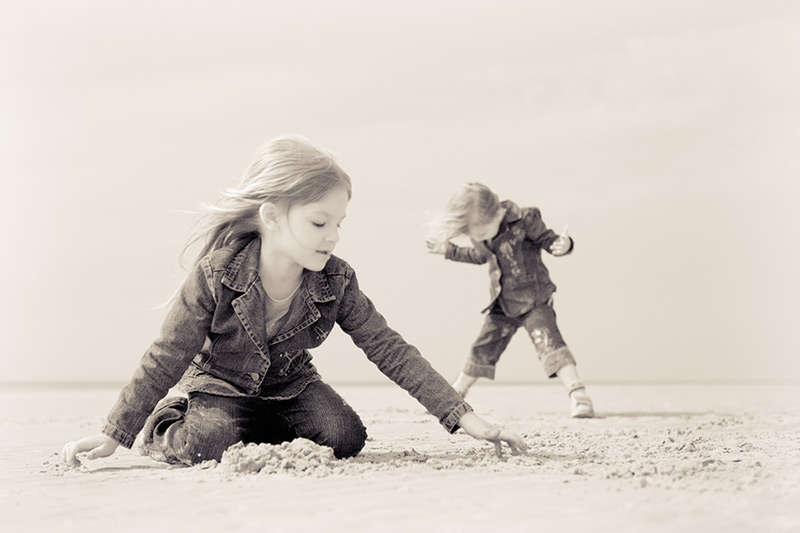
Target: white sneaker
(581,406)
(581,403)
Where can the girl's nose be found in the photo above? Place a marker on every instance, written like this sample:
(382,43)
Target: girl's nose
(333,236)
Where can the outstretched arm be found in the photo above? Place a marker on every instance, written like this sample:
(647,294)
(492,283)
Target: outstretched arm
(182,335)
(162,365)
(403,364)
(476,254)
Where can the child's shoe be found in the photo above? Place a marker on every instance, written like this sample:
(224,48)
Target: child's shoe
(581,403)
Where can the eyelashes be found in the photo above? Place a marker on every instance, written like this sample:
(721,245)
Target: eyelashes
(322,225)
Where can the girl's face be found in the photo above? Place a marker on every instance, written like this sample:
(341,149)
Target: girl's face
(310,231)
(486,231)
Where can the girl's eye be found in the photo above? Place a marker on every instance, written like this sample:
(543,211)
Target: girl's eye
(318,224)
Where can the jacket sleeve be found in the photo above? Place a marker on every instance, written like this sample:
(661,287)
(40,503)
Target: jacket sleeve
(182,336)
(398,360)
(538,233)
(476,254)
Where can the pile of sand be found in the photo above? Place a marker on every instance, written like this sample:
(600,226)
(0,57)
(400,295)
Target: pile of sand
(300,457)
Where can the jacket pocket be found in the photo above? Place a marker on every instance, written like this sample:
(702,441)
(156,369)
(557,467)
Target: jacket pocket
(289,362)
(236,361)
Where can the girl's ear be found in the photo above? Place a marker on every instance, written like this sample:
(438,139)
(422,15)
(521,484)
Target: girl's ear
(268,214)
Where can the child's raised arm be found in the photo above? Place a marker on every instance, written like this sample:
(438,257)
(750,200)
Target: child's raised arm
(477,254)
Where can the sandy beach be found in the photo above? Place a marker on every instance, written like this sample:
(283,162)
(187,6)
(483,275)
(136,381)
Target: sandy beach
(657,458)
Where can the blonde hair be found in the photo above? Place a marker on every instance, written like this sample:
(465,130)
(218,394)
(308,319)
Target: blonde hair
(472,203)
(288,170)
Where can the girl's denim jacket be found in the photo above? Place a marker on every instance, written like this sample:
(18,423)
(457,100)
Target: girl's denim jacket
(519,279)
(214,338)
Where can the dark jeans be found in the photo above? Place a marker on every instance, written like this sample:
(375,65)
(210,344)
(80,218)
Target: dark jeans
(200,430)
(496,333)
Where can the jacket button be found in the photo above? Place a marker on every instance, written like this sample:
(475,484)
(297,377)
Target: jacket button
(255,376)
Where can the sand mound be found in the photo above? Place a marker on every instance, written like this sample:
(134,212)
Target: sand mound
(299,457)
(302,457)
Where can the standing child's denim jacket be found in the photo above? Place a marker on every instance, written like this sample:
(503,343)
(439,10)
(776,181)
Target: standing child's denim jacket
(519,279)
(216,328)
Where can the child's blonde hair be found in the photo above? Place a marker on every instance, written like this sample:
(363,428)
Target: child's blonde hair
(473,204)
(288,170)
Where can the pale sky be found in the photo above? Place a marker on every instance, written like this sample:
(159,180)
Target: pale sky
(665,133)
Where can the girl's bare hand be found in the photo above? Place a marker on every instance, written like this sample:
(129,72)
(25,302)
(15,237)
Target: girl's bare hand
(434,246)
(99,445)
(478,428)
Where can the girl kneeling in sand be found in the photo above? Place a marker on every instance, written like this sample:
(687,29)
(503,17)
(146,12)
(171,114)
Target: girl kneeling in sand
(511,239)
(266,289)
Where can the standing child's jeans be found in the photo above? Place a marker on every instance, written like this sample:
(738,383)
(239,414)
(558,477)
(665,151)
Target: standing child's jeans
(200,429)
(539,322)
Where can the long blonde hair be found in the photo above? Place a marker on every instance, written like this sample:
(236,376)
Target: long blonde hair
(288,170)
(472,203)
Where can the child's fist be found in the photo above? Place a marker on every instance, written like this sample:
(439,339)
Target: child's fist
(563,244)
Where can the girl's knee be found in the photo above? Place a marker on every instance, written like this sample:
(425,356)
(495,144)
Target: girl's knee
(347,438)
(349,444)
(202,438)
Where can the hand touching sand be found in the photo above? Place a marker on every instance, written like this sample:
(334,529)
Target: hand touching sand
(99,445)
(478,428)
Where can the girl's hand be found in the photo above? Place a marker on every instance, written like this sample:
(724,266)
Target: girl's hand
(99,445)
(561,245)
(478,428)
(435,246)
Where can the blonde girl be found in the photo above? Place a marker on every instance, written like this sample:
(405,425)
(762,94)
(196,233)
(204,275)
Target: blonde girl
(510,239)
(265,289)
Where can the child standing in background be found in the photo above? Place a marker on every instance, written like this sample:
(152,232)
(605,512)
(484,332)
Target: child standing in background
(511,239)
(265,289)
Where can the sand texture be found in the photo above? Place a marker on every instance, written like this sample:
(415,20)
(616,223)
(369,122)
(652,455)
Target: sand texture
(657,458)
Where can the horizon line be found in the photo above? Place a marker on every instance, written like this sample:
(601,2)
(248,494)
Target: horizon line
(105,384)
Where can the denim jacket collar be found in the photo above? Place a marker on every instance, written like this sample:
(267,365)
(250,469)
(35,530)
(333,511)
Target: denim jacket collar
(242,273)
(513,211)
